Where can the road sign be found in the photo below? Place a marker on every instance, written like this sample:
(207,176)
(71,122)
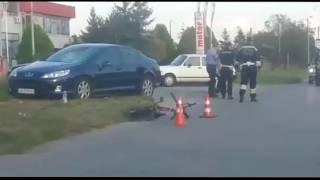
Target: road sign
(199,24)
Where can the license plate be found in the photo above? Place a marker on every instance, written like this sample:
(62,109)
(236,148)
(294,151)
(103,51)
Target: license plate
(25,91)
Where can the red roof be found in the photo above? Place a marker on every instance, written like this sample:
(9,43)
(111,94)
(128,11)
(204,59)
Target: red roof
(48,8)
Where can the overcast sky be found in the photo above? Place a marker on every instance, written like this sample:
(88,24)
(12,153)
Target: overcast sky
(227,15)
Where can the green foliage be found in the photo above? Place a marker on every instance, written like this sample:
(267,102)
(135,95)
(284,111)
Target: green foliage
(187,44)
(42,43)
(160,33)
(293,42)
(240,39)
(93,32)
(225,35)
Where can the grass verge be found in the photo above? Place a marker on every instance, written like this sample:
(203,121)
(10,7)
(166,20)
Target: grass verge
(25,124)
(4,96)
(280,76)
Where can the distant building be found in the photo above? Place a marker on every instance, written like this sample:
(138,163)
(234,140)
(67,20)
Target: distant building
(53,18)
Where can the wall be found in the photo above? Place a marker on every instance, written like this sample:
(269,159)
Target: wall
(59,40)
(13,27)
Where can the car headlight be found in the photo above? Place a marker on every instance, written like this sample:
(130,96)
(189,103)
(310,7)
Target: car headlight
(14,73)
(56,74)
(311,70)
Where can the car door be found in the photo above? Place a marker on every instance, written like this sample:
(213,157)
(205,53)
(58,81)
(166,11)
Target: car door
(191,69)
(204,72)
(130,63)
(108,72)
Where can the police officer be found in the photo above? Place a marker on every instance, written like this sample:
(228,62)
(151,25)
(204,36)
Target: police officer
(213,64)
(227,72)
(249,61)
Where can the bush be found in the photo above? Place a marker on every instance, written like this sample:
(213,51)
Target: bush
(42,43)
(4,95)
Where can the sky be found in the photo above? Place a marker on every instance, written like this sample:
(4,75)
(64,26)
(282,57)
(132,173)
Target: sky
(227,15)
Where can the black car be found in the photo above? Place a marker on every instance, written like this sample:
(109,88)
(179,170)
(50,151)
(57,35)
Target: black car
(87,69)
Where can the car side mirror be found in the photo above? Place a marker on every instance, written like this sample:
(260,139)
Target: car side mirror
(189,65)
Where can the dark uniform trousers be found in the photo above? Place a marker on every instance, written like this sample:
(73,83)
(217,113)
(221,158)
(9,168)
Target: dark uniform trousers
(211,69)
(248,74)
(226,81)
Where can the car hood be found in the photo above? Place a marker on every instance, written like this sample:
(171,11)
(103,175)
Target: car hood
(44,67)
(168,67)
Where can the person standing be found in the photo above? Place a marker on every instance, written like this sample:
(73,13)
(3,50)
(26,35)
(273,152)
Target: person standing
(213,65)
(249,61)
(227,72)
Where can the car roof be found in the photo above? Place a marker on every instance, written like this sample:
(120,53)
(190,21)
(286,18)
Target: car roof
(193,54)
(98,45)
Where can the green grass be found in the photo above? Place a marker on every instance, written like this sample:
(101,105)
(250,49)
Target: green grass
(27,123)
(280,76)
(4,96)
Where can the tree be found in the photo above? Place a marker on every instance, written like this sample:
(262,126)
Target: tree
(187,43)
(249,37)
(93,33)
(42,43)
(293,42)
(240,39)
(266,44)
(225,35)
(127,24)
(161,33)
(156,49)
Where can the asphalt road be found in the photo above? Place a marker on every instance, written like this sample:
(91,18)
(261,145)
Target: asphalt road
(278,136)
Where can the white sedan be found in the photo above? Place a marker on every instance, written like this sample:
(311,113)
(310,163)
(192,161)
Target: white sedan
(185,68)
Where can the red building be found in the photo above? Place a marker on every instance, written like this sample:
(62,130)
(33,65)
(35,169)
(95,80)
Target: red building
(53,18)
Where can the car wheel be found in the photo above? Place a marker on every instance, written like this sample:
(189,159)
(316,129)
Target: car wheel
(83,89)
(169,80)
(147,86)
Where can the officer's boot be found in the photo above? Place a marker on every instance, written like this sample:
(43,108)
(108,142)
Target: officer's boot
(253,97)
(223,94)
(242,92)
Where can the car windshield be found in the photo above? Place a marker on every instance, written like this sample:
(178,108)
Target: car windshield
(178,60)
(73,55)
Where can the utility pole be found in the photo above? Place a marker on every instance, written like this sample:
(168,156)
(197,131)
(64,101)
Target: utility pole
(32,30)
(308,46)
(2,9)
(205,20)
(7,38)
(212,15)
(279,43)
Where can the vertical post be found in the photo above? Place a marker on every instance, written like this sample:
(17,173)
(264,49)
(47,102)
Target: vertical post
(308,45)
(7,38)
(2,9)
(288,59)
(32,30)
(212,15)
(279,44)
(205,22)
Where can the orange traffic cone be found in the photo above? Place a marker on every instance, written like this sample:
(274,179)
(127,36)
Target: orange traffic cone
(180,118)
(207,113)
